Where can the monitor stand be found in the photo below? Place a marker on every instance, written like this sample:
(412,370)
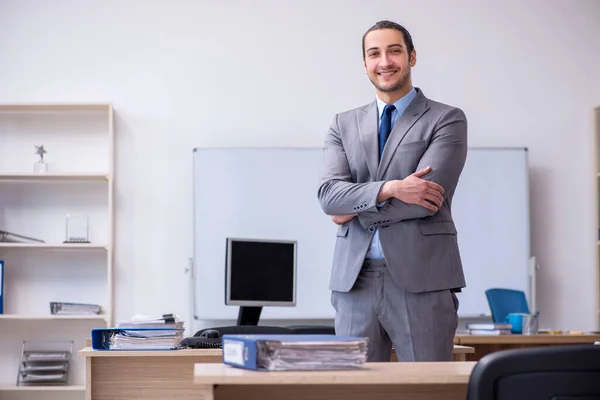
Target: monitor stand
(249,315)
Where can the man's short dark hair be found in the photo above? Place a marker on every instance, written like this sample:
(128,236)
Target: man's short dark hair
(390,25)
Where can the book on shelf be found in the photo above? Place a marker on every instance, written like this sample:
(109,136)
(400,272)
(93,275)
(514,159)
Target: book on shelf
(61,308)
(294,352)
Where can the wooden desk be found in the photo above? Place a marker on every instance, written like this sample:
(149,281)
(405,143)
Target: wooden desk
(376,381)
(488,344)
(151,375)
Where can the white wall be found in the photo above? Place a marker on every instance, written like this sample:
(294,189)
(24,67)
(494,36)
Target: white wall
(183,74)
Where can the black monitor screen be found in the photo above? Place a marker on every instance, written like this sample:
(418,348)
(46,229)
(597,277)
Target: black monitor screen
(260,273)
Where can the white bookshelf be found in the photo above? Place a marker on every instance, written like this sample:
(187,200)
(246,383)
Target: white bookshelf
(79,141)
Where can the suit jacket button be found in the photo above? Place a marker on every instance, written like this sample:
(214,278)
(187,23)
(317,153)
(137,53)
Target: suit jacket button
(371,228)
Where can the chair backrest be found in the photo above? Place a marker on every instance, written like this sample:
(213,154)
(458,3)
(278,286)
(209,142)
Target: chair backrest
(561,372)
(505,301)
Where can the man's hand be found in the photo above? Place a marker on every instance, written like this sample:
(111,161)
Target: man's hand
(342,219)
(414,190)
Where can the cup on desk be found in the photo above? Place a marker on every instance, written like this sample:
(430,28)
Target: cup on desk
(527,324)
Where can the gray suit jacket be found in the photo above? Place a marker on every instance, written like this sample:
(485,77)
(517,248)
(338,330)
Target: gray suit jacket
(420,246)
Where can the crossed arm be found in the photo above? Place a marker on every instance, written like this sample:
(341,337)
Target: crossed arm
(410,198)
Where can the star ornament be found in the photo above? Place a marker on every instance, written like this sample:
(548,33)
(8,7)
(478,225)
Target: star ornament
(39,150)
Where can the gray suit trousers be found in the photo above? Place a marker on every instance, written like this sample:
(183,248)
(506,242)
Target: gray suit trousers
(420,326)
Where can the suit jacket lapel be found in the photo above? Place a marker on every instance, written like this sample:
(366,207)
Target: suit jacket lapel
(368,123)
(411,115)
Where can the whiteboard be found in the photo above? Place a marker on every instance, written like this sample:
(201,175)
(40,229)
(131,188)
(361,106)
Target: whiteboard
(271,193)
(490,209)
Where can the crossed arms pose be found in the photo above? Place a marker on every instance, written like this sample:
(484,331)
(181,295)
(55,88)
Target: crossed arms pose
(389,172)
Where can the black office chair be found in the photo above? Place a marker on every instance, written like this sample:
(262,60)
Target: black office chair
(562,372)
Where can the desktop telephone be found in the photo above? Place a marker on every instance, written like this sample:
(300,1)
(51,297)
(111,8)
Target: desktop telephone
(207,339)
(211,338)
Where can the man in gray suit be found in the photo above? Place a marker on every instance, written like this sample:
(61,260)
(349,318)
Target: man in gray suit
(390,169)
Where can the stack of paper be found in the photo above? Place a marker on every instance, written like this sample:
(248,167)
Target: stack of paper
(166,321)
(489,329)
(294,352)
(144,333)
(146,339)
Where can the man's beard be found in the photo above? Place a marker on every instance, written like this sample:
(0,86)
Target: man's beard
(404,78)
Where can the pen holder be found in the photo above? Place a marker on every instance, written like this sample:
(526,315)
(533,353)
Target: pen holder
(529,324)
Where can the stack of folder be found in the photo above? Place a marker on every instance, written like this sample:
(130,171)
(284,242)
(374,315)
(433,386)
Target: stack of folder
(136,339)
(165,333)
(294,352)
(489,329)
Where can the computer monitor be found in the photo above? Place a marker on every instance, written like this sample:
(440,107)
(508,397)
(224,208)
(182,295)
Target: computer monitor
(259,273)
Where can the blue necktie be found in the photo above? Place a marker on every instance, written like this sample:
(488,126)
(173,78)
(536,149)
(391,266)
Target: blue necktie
(385,127)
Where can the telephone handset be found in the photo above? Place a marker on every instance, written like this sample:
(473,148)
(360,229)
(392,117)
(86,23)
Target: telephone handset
(208,339)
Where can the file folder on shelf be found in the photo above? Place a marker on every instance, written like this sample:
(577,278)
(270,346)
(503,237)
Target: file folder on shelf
(137,338)
(62,308)
(294,352)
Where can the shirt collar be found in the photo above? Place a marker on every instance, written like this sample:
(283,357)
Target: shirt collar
(400,104)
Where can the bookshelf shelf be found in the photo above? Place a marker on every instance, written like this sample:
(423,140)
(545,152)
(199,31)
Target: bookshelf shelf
(32,107)
(54,177)
(21,317)
(55,246)
(67,388)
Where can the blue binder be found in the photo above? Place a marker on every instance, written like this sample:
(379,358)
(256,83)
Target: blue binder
(1,286)
(244,351)
(102,337)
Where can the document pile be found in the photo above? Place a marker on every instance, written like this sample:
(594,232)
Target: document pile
(294,352)
(167,321)
(489,329)
(164,333)
(146,339)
